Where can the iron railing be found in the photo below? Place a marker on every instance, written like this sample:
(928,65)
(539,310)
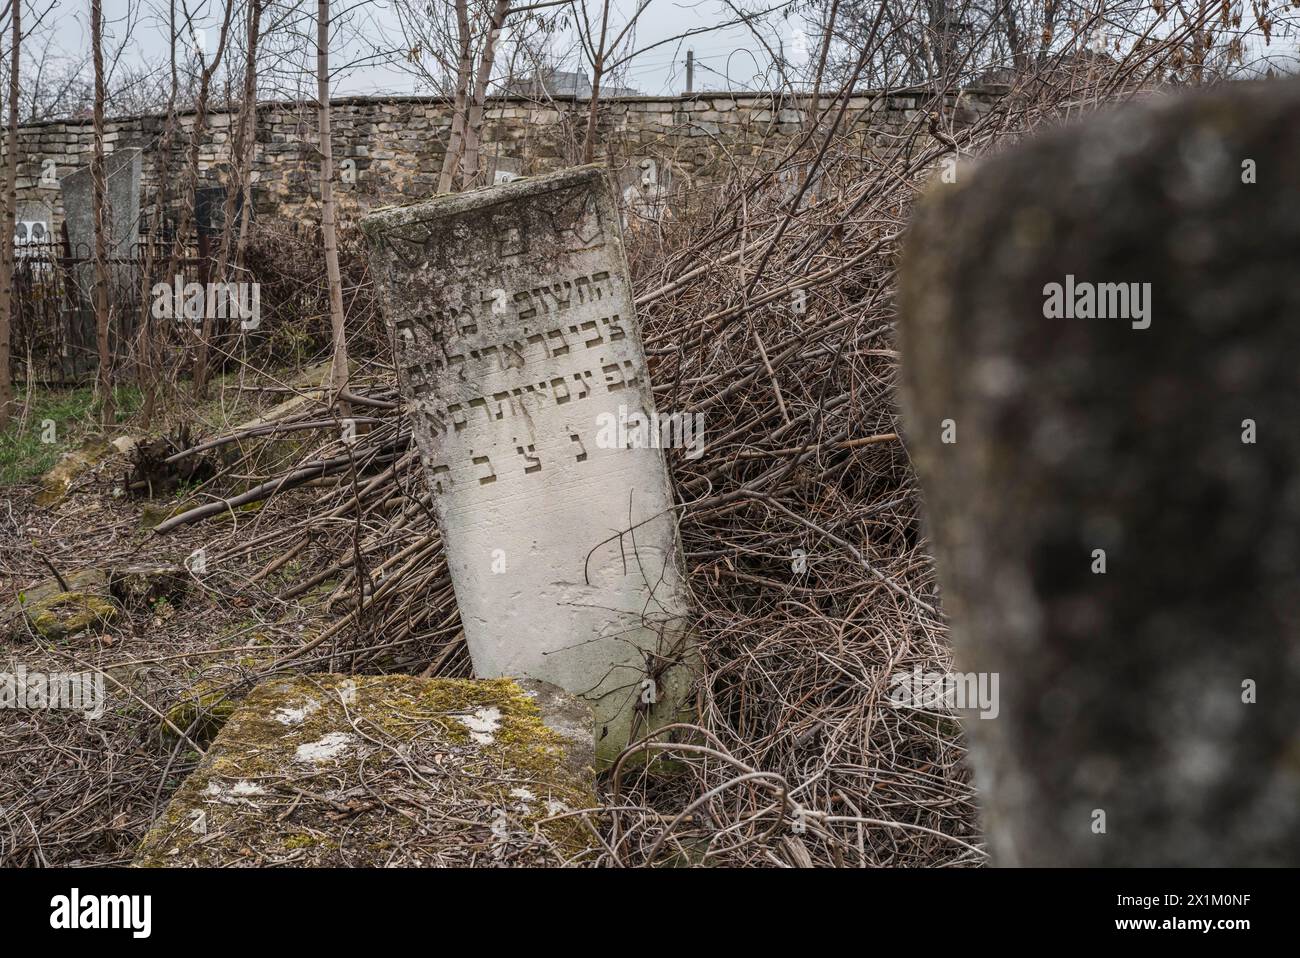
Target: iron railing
(53,339)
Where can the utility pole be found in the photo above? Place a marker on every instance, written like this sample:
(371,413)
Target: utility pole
(780,65)
(690,71)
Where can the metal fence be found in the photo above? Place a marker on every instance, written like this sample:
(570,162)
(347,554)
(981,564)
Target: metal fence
(53,332)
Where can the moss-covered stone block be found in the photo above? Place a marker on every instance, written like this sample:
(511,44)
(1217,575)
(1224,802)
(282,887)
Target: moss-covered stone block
(56,483)
(53,612)
(321,770)
(70,613)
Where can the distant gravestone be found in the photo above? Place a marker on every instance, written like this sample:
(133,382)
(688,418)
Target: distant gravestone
(1099,335)
(122,189)
(645,193)
(122,192)
(515,331)
(210,209)
(504,169)
(32,223)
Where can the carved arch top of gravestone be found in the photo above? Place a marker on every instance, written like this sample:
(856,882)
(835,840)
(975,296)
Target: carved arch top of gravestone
(32,223)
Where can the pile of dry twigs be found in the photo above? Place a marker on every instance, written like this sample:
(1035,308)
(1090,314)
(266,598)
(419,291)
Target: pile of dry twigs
(766,306)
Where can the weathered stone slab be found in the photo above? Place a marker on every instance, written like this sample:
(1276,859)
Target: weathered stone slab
(122,189)
(122,192)
(515,331)
(51,612)
(72,465)
(1117,523)
(390,770)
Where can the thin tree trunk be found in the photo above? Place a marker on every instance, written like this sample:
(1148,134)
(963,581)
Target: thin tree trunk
(474,130)
(148,373)
(339,366)
(813,114)
(1050,8)
(200,383)
(108,408)
(240,155)
(456,142)
(598,67)
(1015,37)
(1200,46)
(10,210)
(246,180)
(246,207)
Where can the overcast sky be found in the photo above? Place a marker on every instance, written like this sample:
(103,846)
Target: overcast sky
(728,57)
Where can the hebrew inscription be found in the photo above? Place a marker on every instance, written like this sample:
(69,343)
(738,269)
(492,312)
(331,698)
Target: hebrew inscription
(513,328)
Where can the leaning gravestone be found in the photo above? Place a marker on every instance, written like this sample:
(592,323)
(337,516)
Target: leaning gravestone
(1117,523)
(515,331)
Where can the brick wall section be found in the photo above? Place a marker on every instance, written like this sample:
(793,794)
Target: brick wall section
(395,145)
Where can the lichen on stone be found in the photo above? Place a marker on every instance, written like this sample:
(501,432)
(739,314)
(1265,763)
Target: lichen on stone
(66,614)
(382,770)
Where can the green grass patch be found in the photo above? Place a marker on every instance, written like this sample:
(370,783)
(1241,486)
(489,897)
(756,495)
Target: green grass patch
(58,419)
(30,446)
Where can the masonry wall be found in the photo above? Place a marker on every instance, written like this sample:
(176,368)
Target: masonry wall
(389,150)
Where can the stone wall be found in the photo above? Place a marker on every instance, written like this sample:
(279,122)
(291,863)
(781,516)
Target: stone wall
(390,149)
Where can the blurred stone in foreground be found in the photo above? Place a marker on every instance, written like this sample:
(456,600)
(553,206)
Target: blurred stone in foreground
(386,770)
(1158,699)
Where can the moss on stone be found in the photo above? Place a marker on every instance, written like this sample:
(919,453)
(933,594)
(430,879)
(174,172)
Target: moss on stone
(66,614)
(152,513)
(332,769)
(201,715)
(56,483)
